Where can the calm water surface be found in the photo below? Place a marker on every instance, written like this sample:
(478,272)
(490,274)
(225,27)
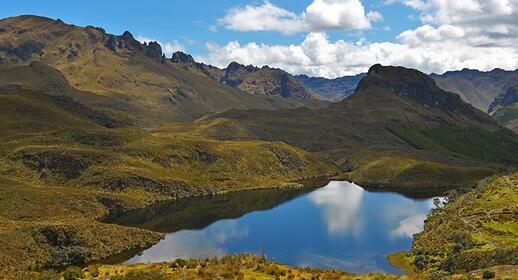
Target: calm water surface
(338,226)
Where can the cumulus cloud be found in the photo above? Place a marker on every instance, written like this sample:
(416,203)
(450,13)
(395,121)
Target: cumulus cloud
(168,48)
(320,15)
(480,34)
(318,56)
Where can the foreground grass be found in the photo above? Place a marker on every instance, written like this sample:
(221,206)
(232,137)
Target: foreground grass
(242,267)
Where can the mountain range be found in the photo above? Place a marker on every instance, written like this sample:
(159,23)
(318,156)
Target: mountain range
(123,74)
(93,123)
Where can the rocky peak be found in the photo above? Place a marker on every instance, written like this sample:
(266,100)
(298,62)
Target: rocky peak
(234,67)
(125,41)
(154,50)
(412,85)
(183,58)
(131,42)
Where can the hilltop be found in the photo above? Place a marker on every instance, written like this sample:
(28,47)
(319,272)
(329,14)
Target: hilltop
(123,74)
(93,124)
(264,81)
(395,111)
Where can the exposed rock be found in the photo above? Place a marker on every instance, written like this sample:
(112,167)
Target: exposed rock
(27,48)
(265,81)
(96,28)
(183,58)
(154,50)
(414,85)
(126,41)
(112,43)
(131,43)
(72,54)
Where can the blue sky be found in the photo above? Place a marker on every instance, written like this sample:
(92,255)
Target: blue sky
(348,35)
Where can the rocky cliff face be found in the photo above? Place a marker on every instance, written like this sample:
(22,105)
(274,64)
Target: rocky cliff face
(415,86)
(265,81)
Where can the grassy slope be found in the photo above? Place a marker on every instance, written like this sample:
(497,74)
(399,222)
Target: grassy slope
(151,90)
(384,137)
(474,231)
(60,171)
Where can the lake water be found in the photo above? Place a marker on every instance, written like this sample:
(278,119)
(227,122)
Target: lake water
(340,226)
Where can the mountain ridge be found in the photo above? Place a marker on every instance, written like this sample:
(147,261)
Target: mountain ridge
(134,78)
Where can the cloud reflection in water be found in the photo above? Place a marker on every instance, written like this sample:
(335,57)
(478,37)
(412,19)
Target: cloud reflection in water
(340,202)
(194,243)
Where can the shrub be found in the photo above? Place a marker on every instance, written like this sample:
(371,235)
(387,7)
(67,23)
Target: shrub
(420,262)
(437,275)
(141,275)
(73,273)
(488,274)
(462,242)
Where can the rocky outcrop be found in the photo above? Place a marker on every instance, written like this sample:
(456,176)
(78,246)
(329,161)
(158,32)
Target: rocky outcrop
(26,49)
(265,81)
(188,61)
(183,58)
(413,85)
(131,43)
(125,41)
(154,50)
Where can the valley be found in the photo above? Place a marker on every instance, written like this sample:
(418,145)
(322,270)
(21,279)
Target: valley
(99,133)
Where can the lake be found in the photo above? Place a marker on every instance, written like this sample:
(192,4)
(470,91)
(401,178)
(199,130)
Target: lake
(341,225)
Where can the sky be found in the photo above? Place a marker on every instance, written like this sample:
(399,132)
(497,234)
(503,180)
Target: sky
(328,38)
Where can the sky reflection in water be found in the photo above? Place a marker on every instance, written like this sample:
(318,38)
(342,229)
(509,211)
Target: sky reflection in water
(337,226)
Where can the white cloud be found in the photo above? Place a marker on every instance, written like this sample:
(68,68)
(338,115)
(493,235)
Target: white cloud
(168,48)
(480,34)
(424,49)
(323,15)
(262,18)
(320,15)
(374,16)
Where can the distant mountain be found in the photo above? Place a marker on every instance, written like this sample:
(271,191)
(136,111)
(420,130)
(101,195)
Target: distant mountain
(476,87)
(264,81)
(120,73)
(332,89)
(505,108)
(397,120)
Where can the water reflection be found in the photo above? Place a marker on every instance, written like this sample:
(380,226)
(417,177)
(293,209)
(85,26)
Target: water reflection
(340,202)
(194,243)
(338,226)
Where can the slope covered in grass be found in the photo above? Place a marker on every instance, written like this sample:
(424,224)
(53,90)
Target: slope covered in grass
(124,74)
(473,231)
